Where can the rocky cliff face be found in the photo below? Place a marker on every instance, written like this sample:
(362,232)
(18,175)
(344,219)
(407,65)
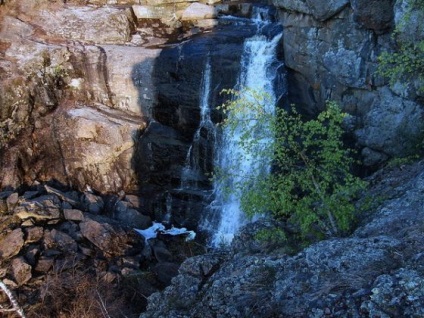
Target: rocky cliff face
(104,94)
(62,89)
(108,97)
(376,272)
(331,49)
(92,77)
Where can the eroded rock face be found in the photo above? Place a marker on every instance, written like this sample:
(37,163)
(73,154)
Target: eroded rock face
(57,77)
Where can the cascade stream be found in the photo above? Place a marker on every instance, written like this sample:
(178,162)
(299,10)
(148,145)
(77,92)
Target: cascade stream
(259,72)
(195,164)
(251,64)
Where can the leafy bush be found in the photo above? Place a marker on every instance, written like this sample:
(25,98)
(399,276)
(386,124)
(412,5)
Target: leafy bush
(310,184)
(406,63)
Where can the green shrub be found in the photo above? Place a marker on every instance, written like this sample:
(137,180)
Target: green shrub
(406,62)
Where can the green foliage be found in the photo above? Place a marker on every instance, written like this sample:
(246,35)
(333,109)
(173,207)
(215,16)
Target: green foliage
(310,185)
(407,61)
(400,161)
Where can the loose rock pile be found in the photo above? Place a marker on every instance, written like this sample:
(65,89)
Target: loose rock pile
(81,241)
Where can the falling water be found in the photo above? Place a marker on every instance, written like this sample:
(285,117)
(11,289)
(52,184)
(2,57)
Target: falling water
(259,69)
(199,154)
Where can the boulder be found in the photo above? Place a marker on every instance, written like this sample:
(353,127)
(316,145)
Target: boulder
(93,203)
(72,229)
(130,217)
(11,244)
(32,254)
(34,234)
(134,201)
(21,271)
(111,240)
(44,264)
(43,208)
(58,240)
(73,215)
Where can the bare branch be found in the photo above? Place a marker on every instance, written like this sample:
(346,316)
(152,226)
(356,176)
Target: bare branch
(18,309)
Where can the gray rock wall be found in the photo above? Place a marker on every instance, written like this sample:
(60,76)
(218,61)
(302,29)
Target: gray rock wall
(331,54)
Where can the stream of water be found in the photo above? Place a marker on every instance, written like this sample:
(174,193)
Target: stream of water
(258,73)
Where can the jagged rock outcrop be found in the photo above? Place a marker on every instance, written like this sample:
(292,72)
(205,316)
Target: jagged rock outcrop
(378,271)
(331,54)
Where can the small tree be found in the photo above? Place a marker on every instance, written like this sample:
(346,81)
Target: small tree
(309,183)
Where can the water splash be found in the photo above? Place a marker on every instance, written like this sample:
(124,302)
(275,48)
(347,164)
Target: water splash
(259,70)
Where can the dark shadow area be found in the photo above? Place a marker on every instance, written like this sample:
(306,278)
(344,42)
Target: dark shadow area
(162,150)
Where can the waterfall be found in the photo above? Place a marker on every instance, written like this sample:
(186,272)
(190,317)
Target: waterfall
(258,72)
(196,164)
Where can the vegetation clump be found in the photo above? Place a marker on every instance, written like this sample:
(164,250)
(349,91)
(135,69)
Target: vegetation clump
(406,62)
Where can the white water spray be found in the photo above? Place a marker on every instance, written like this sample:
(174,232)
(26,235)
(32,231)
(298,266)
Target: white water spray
(258,74)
